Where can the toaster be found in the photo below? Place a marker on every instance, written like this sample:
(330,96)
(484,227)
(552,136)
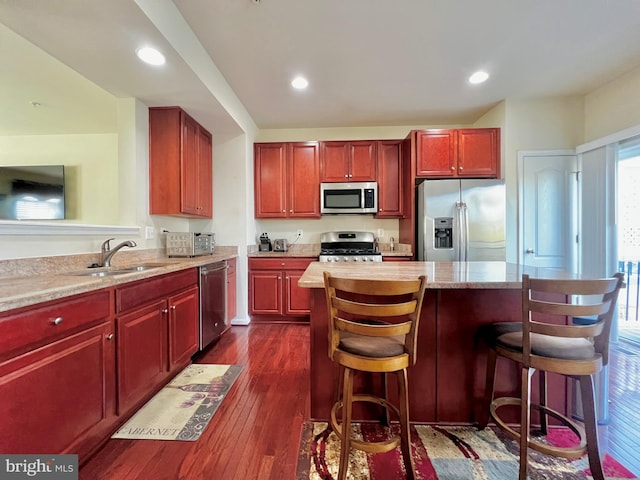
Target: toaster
(190,244)
(280,245)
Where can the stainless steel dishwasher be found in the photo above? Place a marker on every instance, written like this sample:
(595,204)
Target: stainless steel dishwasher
(213,302)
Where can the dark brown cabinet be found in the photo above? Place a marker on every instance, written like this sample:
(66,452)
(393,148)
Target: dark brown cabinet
(287,180)
(57,376)
(390,179)
(353,161)
(180,165)
(458,153)
(274,294)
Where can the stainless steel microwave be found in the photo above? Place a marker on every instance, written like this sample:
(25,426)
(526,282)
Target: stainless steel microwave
(351,197)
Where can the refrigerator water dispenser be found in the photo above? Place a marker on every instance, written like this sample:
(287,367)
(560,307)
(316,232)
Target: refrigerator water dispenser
(443,232)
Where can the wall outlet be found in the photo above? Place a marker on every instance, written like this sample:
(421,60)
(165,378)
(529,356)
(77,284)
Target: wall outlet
(381,233)
(299,233)
(149,233)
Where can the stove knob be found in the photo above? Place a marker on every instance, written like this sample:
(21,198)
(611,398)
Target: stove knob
(330,259)
(364,259)
(345,259)
(356,259)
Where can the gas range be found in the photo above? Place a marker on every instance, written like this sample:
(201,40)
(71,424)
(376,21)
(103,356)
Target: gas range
(348,247)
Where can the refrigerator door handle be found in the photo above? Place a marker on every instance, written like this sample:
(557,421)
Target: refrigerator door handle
(465,219)
(462,235)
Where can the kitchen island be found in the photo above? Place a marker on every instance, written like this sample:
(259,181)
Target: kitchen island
(447,382)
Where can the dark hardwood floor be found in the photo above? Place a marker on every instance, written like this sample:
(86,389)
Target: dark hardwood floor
(255,432)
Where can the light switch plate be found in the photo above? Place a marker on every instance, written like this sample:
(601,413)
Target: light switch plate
(149,233)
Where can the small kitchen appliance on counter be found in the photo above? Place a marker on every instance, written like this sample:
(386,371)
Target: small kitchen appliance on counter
(190,244)
(348,247)
(280,245)
(265,243)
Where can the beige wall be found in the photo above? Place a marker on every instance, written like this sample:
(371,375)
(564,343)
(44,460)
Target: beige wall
(612,107)
(91,173)
(531,124)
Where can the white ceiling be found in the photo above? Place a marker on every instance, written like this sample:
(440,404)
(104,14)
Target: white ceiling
(369,62)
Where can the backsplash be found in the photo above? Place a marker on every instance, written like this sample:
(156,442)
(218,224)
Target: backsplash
(61,263)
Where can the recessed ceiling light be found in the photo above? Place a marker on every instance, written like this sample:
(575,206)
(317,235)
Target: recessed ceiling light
(478,77)
(150,55)
(300,83)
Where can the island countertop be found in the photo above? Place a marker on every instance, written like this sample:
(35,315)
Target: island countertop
(440,275)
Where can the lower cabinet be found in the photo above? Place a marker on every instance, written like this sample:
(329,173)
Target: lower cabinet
(157,331)
(232,308)
(274,294)
(57,389)
(72,370)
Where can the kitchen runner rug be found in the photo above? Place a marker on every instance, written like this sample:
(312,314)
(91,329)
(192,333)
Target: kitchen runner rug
(183,408)
(441,453)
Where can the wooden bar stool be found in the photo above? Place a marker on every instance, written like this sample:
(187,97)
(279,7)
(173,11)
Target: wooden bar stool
(540,343)
(373,327)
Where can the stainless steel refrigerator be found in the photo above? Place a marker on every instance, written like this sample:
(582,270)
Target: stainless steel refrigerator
(461,220)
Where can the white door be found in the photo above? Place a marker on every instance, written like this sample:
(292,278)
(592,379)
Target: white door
(548,182)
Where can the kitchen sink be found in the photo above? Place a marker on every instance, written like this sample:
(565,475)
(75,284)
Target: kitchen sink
(101,273)
(119,271)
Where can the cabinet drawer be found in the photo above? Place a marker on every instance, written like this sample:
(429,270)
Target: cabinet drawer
(40,325)
(139,293)
(282,263)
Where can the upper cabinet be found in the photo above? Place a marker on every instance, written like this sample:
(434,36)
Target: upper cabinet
(180,165)
(348,161)
(458,153)
(390,179)
(287,180)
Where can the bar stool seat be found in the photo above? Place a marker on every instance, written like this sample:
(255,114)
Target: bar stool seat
(373,327)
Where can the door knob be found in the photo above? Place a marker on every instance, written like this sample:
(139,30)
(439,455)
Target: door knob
(530,250)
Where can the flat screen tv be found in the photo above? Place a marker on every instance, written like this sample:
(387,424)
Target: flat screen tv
(34,192)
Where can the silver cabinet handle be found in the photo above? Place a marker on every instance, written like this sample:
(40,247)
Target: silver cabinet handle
(173,307)
(110,336)
(164,310)
(530,250)
(58,320)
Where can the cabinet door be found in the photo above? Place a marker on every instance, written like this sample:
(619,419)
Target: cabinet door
(232,309)
(141,353)
(205,174)
(436,153)
(362,161)
(270,176)
(183,328)
(334,161)
(478,152)
(54,397)
(390,175)
(304,180)
(297,299)
(265,292)
(189,166)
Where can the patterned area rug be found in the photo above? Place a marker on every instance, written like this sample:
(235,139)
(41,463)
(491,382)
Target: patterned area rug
(442,453)
(183,408)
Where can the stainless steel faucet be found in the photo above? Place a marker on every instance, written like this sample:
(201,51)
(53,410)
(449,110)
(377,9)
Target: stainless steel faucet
(107,252)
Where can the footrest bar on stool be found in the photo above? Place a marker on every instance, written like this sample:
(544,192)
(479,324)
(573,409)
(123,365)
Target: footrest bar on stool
(369,447)
(564,452)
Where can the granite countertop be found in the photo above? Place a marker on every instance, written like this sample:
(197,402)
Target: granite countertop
(439,274)
(32,288)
